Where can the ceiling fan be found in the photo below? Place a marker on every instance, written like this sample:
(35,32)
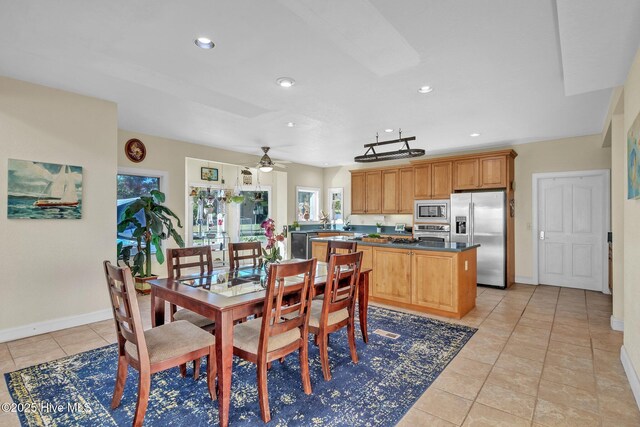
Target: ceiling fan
(265,164)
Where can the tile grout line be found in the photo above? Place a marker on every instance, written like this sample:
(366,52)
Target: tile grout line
(475,400)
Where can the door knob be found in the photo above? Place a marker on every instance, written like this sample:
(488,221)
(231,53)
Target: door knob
(542,235)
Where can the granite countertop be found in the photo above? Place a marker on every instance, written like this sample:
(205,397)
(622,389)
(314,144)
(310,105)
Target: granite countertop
(425,246)
(373,230)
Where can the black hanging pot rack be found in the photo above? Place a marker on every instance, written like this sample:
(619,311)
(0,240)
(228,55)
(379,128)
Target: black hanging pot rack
(403,153)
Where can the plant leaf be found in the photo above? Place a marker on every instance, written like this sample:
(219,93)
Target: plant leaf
(158,196)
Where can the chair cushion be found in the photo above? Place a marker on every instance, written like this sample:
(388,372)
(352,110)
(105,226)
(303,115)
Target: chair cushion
(172,340)
(192,317)
(316,311)
(247,334)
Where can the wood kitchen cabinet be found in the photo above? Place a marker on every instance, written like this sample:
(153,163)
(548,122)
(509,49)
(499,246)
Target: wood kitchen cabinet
(493,172)
(373,192)
(422,182)
(390,187)
(442,283)
(319,250)
(366,189)
(466,174)
(441,180)
(405,191)
(391,274)
(358,193)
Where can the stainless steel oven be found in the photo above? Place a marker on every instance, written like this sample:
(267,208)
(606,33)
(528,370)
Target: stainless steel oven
(439,233)
(431,211)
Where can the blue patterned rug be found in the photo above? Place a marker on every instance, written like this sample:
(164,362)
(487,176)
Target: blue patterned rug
(391,375)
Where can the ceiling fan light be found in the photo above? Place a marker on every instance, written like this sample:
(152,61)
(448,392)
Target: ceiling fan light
(266,168)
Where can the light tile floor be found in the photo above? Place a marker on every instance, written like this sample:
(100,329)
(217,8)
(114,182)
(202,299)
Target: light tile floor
(542,356)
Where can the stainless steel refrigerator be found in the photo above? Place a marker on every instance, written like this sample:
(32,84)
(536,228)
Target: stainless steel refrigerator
(480,218)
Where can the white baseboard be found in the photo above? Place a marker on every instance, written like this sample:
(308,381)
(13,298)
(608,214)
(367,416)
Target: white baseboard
(617,324)
(632,375)
(53,325)
(527,280)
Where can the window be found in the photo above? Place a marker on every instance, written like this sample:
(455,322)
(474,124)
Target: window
(132,184)
(253,211)
(307,204)
(335,204)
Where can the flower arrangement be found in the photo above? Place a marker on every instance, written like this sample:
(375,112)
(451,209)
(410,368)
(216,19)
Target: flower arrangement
(271,253)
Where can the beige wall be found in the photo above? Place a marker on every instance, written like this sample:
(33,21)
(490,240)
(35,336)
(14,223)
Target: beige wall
(52,276)
(618,196)
(632,234)
(570,154)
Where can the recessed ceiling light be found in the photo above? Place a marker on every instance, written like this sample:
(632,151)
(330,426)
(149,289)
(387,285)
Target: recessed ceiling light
(473,135)
(388,130)
(290,124)
(326,164)
(204,43)
(286,81)
(425,89)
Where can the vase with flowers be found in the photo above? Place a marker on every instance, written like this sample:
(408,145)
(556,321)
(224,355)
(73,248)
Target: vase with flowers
(271,252)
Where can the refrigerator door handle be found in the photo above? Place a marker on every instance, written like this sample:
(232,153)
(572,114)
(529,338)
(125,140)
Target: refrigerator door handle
(470,225)
(473,222)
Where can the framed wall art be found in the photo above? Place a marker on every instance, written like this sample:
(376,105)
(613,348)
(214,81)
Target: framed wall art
(37,190)
(135,150)
(208,174)
(633,160)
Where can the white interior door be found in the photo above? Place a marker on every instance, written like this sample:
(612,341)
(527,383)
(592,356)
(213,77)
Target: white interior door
(571,231)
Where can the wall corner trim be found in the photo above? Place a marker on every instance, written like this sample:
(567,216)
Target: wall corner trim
(54,325)
(632,374)
(617,324)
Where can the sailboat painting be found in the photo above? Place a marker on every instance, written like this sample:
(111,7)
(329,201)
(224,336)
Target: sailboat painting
(44,190)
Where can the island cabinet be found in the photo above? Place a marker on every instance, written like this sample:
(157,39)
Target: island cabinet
(442,283)
(391,274)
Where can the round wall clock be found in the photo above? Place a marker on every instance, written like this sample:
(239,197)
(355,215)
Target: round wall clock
(135,150)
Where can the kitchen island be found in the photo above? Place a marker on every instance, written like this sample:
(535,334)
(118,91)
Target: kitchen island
(437,278)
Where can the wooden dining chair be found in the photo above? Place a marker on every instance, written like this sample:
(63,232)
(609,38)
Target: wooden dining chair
(239,252)
(282,329)
(196,260)
(153,350)
(345,247)
(337,309)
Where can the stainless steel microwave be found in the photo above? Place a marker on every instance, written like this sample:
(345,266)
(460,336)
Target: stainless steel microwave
(434,211)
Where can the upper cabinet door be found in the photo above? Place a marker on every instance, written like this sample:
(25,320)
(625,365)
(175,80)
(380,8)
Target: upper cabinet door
(358,193)
(373,197)
(466,175)
(390,184)
(422,182)
(441,180)
(405,196)
(493,172)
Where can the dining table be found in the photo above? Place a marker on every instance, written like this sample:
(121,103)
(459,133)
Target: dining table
(226,296)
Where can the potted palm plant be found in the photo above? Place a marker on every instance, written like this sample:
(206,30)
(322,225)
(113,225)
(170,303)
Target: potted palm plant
(149,230)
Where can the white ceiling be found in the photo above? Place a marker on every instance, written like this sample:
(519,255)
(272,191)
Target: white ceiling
(498,67)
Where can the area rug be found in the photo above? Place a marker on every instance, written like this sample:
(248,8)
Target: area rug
(390,376)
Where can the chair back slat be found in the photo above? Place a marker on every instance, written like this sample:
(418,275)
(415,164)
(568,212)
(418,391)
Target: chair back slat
(343,275)
(126,312)
(340,247)
(181,259)
(239,252)
(287,294)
